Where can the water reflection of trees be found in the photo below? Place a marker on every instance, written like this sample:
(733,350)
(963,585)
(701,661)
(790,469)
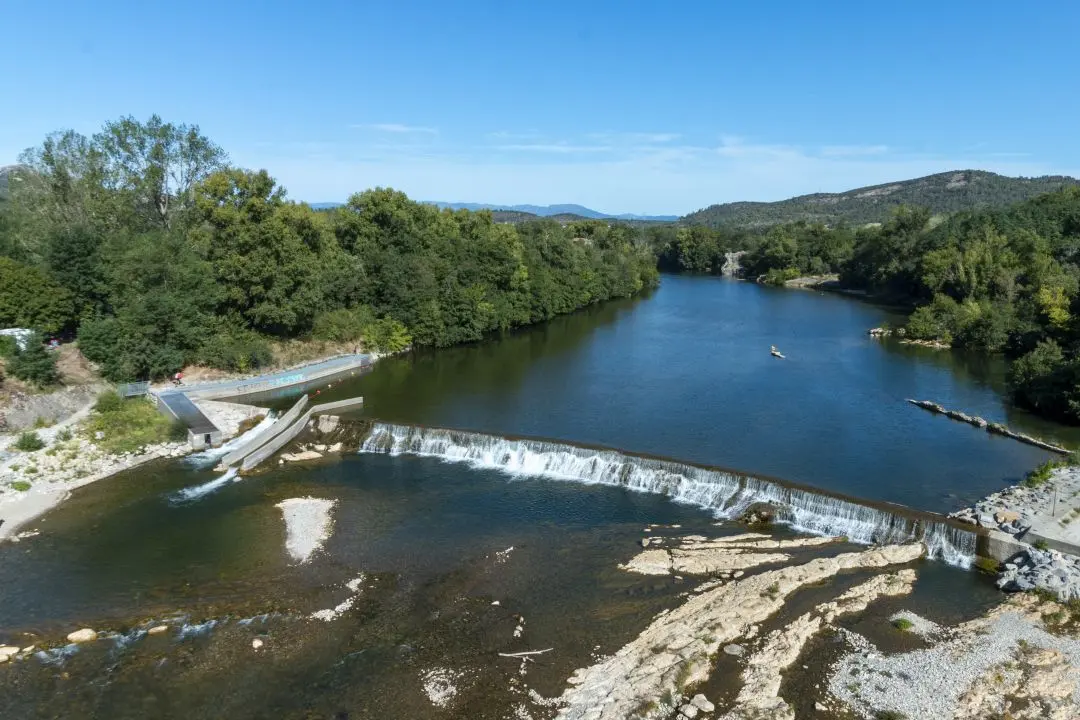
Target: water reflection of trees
(989,371)
(406,388)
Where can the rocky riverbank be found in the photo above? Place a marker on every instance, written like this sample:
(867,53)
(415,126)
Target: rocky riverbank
(31,483)
(1020,661)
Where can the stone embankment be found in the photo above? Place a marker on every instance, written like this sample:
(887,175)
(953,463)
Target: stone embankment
(1046,570)
(990,427)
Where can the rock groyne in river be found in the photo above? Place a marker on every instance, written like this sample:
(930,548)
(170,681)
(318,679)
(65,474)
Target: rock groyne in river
(990,427)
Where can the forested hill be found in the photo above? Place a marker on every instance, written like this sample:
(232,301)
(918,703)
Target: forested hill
(948,192)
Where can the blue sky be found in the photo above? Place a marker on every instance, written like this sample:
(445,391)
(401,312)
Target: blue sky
(629,106)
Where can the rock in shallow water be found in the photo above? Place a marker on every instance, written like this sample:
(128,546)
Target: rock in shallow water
(82,636)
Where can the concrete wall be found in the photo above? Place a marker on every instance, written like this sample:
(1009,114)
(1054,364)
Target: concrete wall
(280,426)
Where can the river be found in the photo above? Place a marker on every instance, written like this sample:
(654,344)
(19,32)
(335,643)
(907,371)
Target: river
(683,373)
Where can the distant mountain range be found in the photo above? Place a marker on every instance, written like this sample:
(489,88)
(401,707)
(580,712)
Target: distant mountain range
(947,192)
(535,210)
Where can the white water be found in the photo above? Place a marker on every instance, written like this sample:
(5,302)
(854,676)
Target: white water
(728,495)
(210,456)
(197,491)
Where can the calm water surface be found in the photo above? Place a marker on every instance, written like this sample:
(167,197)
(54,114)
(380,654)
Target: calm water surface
(686,373)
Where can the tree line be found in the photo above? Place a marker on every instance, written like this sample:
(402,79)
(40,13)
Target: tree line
(148,247)
(999,280)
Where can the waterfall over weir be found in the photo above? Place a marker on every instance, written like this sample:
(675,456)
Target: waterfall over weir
(727,494)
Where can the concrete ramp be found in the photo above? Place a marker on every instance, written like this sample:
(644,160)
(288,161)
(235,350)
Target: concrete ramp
(285,436)
(283,424)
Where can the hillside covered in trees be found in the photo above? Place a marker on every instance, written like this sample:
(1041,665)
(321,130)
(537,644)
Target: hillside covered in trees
(145,244)
(947,193)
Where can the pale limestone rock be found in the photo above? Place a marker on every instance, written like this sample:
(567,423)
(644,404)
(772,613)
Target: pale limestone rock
(676,650)
(702,703)
(82,636)
(158,630)
(301,456)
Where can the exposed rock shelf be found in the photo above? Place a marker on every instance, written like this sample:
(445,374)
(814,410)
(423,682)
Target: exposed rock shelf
(990,427)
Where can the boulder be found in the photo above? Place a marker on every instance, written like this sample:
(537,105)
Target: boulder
(1006,516)
(158,630)
(256,644)
(702,703)
(736,650)
(688,711)
(8,651)
(82,636)
(301,456)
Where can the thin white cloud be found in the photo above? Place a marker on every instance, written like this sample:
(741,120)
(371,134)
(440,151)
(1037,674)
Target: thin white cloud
(638,138)
(559,148)
(853,150)
(400,128)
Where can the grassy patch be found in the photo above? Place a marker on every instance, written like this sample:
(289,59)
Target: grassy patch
(1041,544)
(772,591)
(64,435)
(902,624)
(889,715)
(990,566)
(20,485)
(41,422)
(1040,475)
(29,442)
(127,427)
(250,423)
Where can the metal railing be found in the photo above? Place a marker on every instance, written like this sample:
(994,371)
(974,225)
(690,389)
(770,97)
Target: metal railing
(135,389)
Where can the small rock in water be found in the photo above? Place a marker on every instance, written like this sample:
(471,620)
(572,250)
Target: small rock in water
(82,636)
(158,629)
(256,644)
(496,602)
(702,703)
(820,707)
(8,652)
(644,542)
(737,574)
(736,650)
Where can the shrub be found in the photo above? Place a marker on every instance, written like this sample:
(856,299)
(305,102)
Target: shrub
(29,442)
(778,276)
(902,624)
(344,325)
(8,346)
(20,485)
(109,401)
(64,435)
(43,422)
(987,565)
(238,350)
(35,364)
(387,335)
(889,715)
(1041,544)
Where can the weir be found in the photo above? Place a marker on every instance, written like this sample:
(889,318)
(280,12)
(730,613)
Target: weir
(726,493)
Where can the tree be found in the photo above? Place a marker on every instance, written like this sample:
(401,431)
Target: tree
(30,299)
(156,165)
(34,364)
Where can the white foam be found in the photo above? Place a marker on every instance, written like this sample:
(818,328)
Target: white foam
(726,494)
(197,491)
